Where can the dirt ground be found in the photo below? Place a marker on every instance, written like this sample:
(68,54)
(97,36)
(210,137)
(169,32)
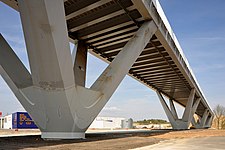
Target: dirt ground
(19,132)
(191,133)
(111,141)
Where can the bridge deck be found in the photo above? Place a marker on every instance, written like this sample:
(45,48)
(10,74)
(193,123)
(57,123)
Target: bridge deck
(107,25)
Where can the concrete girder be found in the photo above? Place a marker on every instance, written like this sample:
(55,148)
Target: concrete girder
(80,63)
(173,109)
(60,106)
(204,118)
(167,110)
(188,110)
(208,123)
(47,43)
(188,114)
(12,68)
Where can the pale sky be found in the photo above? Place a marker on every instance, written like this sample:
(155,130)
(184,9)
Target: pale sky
(200,29)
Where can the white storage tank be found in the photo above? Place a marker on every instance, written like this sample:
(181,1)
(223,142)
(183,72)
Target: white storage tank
(127,124)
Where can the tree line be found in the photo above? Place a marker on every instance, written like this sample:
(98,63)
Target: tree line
(219,119)
(151,121)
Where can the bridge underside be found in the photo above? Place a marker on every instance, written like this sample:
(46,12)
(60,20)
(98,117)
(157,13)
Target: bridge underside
(109,25)
(130,35)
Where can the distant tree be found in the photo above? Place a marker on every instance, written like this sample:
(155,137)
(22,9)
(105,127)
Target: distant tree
(223,122)
(151,121)
(219,112)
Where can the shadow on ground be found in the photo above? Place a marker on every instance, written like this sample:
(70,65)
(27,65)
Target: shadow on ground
(22,142)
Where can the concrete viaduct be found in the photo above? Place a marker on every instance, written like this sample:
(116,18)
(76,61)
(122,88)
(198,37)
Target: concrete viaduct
(132,36)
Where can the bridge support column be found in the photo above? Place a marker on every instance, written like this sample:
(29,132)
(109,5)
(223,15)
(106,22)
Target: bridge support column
(203,122)
(208,123)
(188,114)
(204,118)
(54,93)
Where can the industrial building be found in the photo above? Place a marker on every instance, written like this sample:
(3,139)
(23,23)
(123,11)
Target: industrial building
(22,120)
(17,120)
(111,123)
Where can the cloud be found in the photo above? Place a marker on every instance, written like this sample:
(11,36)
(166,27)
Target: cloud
(113,108)
(210,38)
(207,68)
(135,108)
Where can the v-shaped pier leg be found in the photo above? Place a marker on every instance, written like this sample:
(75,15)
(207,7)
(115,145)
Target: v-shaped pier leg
(208,122)
(203,122)
(54,93)
(188,114)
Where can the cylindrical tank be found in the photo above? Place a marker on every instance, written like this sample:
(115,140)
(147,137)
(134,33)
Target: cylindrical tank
(127,124)
(130,123)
